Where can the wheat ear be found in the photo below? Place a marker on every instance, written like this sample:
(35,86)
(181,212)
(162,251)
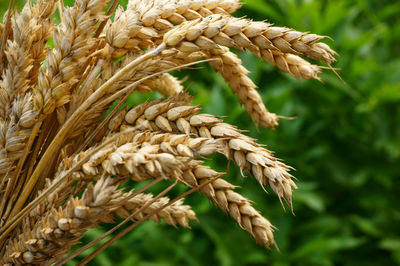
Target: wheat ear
(73,40)
(238,207)
(145,21)
(254,36)
(231,68)
(14,134)
(209,32)
(175,214)
(180,117)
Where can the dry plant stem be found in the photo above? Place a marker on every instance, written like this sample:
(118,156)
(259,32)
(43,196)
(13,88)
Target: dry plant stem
(39,145)
(97,240)
(137,223)
(28,146)
(103,123)
(126,92)
(69,123)
(87,86)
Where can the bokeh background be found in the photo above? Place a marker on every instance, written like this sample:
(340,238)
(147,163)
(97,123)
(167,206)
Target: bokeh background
(344,143)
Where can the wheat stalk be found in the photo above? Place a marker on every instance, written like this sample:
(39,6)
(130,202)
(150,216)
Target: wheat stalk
(64,159)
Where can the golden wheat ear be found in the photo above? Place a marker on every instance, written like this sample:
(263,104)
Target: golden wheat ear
(277,45)
(180,117)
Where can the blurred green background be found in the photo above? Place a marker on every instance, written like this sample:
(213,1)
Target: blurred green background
(344,143)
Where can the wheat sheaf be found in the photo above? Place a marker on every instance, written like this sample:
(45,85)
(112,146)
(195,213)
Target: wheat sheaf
(68,159)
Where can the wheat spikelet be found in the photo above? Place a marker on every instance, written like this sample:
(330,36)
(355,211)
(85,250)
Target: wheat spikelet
(270,43)
(161,18)
(157,18)
(235,74)
(23,53)
(178,11)
(209,32)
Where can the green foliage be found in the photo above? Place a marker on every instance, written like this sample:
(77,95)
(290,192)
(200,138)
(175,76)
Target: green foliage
(344,143)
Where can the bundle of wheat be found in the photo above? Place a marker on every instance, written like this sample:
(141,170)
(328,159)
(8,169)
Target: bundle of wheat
(62,161)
